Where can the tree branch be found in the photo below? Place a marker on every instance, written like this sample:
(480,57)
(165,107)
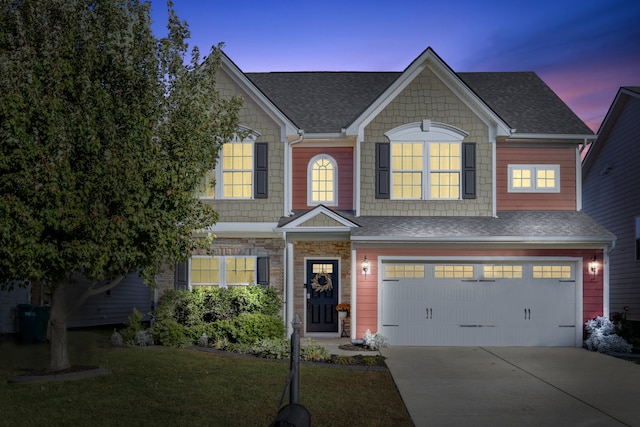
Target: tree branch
(92,290)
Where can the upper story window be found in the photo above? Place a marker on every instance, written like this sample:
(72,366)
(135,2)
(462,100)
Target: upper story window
(241,171)
(425,161)
(237,170)
(534,178)
(434,176)
(322,181)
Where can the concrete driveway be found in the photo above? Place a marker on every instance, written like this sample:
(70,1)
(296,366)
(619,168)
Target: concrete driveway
(515,386)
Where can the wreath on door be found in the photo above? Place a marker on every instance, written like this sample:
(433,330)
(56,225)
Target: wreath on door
(321,282)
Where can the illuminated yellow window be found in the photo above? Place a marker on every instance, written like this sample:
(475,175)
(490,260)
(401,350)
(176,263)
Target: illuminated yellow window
(406,170)
(534,178)
(400,271)
(322,181)
(451,271)
(240,270)
(205,271)
(545,178)
(322,268)
(222,271)
(502,271)
(237,170)
(444,163)
(521,178)
(552,272)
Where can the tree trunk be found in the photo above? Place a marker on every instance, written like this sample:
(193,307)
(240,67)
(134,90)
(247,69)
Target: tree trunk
(58,324)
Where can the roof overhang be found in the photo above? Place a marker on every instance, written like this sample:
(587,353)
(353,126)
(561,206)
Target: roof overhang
(242,229)
(319,221)
(550,138)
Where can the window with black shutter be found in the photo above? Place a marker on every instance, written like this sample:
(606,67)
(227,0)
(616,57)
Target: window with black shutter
(261,170)
(383,170)
(468,170)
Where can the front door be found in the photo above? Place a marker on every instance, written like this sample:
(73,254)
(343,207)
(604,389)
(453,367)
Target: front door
(322,295)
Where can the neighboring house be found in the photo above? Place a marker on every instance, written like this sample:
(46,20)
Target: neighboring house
(611,192)
(113,306)
(109,308)
(444,207)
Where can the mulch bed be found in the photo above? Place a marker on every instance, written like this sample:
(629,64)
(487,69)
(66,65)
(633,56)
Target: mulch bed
(355,347)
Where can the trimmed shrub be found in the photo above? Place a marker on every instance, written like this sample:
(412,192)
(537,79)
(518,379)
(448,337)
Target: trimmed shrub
(272,348)
(249,328)
(242,315)
(313,352)
(170,333)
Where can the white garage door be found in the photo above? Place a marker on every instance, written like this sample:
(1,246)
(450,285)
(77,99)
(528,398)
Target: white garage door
(460,304)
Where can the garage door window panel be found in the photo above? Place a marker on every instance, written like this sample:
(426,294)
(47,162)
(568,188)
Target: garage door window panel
(502,272)
(451,271)
(401,271)
(553,272)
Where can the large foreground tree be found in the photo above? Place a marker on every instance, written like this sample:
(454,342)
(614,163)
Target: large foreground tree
(105,136)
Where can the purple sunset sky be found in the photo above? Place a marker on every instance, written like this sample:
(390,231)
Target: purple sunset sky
(583,49)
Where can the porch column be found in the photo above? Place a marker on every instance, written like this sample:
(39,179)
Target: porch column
(289,315)
(354,295)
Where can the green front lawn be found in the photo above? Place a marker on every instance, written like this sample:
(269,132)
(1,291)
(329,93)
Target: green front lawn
(163,386)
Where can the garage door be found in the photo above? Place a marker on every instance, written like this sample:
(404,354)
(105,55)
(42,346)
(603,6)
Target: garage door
(458,303)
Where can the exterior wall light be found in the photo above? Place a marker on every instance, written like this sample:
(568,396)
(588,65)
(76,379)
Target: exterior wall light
(365,266)
(593,265)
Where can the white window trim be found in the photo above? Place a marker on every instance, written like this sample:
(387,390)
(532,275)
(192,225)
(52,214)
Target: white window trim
(222,271)
(333,161)
(251,137)
(533,169)
(426,132)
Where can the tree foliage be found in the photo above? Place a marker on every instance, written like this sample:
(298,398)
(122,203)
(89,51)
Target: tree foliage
(105,133)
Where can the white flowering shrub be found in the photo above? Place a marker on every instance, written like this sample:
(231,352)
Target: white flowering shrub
(116,339)
(143,338)
(203,341)
(374,341)
(603,337)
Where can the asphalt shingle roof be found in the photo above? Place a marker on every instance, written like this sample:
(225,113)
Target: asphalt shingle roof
(322,102)
(514,226)
(525,102)
(326,102)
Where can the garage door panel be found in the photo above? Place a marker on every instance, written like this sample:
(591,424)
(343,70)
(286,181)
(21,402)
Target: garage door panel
(453,311)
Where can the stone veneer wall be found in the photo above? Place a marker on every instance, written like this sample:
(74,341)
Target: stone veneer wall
(320,249)
(427,97)
(261,247)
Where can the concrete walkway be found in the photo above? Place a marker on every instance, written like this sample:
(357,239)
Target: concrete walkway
(515,386)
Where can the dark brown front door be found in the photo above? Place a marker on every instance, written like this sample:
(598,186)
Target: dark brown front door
(322,295)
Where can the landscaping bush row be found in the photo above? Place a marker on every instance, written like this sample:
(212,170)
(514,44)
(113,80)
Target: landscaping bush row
(239,315)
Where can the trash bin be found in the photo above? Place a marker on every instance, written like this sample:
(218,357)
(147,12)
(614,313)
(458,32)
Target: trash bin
(33,321)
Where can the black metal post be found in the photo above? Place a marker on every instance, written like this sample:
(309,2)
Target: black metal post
(294,388)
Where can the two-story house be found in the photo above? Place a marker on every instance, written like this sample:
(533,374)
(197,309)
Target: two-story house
(611,188)
(444,207)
